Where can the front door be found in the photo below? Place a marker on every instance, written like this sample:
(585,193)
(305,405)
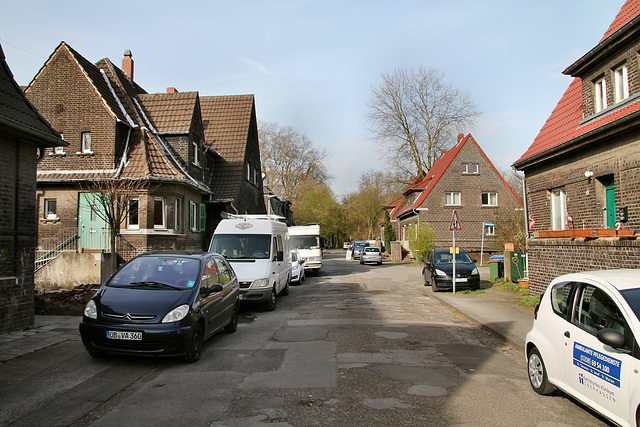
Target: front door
(610,199)
(93,232)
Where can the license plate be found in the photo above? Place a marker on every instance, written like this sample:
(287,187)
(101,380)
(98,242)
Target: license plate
(461,279)
(120,335)
(240,297)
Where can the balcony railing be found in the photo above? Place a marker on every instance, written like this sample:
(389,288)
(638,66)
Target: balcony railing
(64,241)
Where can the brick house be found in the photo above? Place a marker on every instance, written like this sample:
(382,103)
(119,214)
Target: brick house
(199,154)
(24,135)
(462,179)
(582,171)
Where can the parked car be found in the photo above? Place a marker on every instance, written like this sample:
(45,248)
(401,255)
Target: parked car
(584,341)
(358,246)
(371,254)
(162,304)
(297,268)
(346,245)
(438,269)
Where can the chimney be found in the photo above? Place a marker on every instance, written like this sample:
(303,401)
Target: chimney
(127,64)
(460,136)
(172,90)
(443,152)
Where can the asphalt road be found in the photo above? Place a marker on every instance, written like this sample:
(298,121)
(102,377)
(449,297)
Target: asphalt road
(355,346)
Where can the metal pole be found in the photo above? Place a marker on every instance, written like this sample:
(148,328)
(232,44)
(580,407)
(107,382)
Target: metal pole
(454,262)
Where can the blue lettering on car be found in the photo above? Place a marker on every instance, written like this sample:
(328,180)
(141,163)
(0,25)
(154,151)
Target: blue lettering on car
(597,363)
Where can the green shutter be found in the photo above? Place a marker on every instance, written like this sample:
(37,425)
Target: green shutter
(203,217)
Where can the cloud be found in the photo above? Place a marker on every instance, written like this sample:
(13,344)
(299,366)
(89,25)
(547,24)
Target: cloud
(258,66)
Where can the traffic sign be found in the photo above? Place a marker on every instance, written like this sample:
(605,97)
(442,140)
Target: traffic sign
(455,223)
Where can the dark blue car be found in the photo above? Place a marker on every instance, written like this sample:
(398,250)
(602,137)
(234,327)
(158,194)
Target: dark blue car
(162,304)
(438,270)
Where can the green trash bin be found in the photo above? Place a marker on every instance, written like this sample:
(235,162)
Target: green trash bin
(494,269)
(518,265)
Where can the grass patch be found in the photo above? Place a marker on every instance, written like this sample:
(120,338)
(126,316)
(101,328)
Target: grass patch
(527,299)
(471,291)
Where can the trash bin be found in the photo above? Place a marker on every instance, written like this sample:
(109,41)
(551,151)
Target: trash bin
(518,264)
(496,269)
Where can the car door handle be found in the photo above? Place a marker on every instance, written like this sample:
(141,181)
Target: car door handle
(567,334)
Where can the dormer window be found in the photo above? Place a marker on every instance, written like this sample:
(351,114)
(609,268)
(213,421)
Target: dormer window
(621,82)
(600,94)
(196,157)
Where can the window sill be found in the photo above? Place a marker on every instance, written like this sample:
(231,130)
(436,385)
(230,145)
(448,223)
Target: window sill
(84,153)
(49,220)
(57,154)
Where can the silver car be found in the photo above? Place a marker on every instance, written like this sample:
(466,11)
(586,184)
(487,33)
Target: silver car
(371,254)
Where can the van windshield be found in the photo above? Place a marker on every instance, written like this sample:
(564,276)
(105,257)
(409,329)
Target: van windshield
(242,246)
(305,242)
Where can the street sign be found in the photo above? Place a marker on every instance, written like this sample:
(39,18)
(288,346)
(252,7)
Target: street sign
(457,250)
(455,223)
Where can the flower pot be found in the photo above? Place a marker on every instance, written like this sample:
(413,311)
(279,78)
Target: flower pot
(523,283)
(605,232)
(629,232)
(582,233)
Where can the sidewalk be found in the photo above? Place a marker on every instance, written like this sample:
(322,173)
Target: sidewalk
(493,310)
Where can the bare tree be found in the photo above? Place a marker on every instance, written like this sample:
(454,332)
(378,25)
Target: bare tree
(290,161)
(110,200)
(415,114)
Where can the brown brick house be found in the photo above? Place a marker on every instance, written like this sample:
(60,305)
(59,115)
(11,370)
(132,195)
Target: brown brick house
(462,179)
(198,160)
(583,169)
(24,136)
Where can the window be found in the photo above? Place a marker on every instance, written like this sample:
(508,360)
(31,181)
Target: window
(59,150)
(193,216)
(621,82)
(558,209)
(86,142)
(474,168)
(452,199)
(595,310)
(560,298)
(600,98)
(158,213)
(50,209)
(133,216)
(177,214)
(489,230)
(196,157)
(197,216)
(249,171)
(489,199)
(465,168)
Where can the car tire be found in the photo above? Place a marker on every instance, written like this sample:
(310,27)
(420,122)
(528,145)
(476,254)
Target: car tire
(195,344)
(301,277)
(271,304)
(538,373)
(361,262)
(285,291)
(433,285)
(379,262)
(96,354)
(232,326)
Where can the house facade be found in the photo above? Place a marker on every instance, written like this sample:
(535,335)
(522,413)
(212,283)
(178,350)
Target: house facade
(24,138)
(196,159)
(463,180)
(582,171)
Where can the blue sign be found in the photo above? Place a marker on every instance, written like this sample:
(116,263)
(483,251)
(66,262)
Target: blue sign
(596,363)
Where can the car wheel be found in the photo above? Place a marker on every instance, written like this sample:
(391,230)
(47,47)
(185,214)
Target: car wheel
(195,344)
(96,354)
(285,291)
(232,326)
(302,277)
(433,285)
(271,304)
(379,262)
(538,373)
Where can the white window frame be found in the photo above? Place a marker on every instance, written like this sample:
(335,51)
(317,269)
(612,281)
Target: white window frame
(85,138)
(196,154)
(558,209)
(475,168)
(621,83)
(48,213)
(177,213)
(600,94)
(193,208)
(163,211)
(131,225)
(492,199)
(465,168)
(453,198)
(489,230)
(59,149)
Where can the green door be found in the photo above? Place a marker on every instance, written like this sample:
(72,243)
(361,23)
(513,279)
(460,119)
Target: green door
(610,197)
(92,229)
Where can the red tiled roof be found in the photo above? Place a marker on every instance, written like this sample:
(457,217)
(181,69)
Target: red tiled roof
(170,112)
(563,124)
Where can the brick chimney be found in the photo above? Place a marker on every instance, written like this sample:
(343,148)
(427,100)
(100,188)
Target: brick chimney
(172,90)
(127,64)
(460,136)
(443,152)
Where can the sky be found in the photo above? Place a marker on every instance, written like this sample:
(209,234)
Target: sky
(311,64)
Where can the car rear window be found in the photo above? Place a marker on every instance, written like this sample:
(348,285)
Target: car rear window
(372,250)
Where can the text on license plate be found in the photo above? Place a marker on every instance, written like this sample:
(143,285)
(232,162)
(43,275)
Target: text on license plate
(121,335)
(461,279)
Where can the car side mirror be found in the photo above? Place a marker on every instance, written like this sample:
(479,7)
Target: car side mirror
(611,337)
(217,288)
(475,261)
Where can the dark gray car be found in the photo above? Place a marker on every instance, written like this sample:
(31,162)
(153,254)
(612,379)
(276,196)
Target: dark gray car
(438,269)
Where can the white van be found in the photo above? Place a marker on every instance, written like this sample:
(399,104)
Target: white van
(257,247)
(306,239)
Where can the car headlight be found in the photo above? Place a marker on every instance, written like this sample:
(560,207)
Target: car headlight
(260,283)
(475,272)
(440,273)
(176,314)
(90,310)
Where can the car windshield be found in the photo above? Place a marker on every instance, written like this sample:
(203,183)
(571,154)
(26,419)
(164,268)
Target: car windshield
(158,272)
(305,242)
(359,245)
(447,258)
(242,246)
(633,299)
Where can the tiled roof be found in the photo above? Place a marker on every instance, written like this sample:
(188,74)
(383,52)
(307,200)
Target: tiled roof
(170,112)
(17,112)
(147,160)
(226,121)
(563,125)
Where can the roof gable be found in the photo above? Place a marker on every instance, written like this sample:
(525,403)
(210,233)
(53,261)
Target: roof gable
(170,112)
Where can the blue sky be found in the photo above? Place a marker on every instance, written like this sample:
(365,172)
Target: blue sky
(311,64)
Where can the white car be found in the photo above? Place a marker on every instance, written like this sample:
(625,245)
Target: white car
(371,254)
(584,341)
(297,268)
